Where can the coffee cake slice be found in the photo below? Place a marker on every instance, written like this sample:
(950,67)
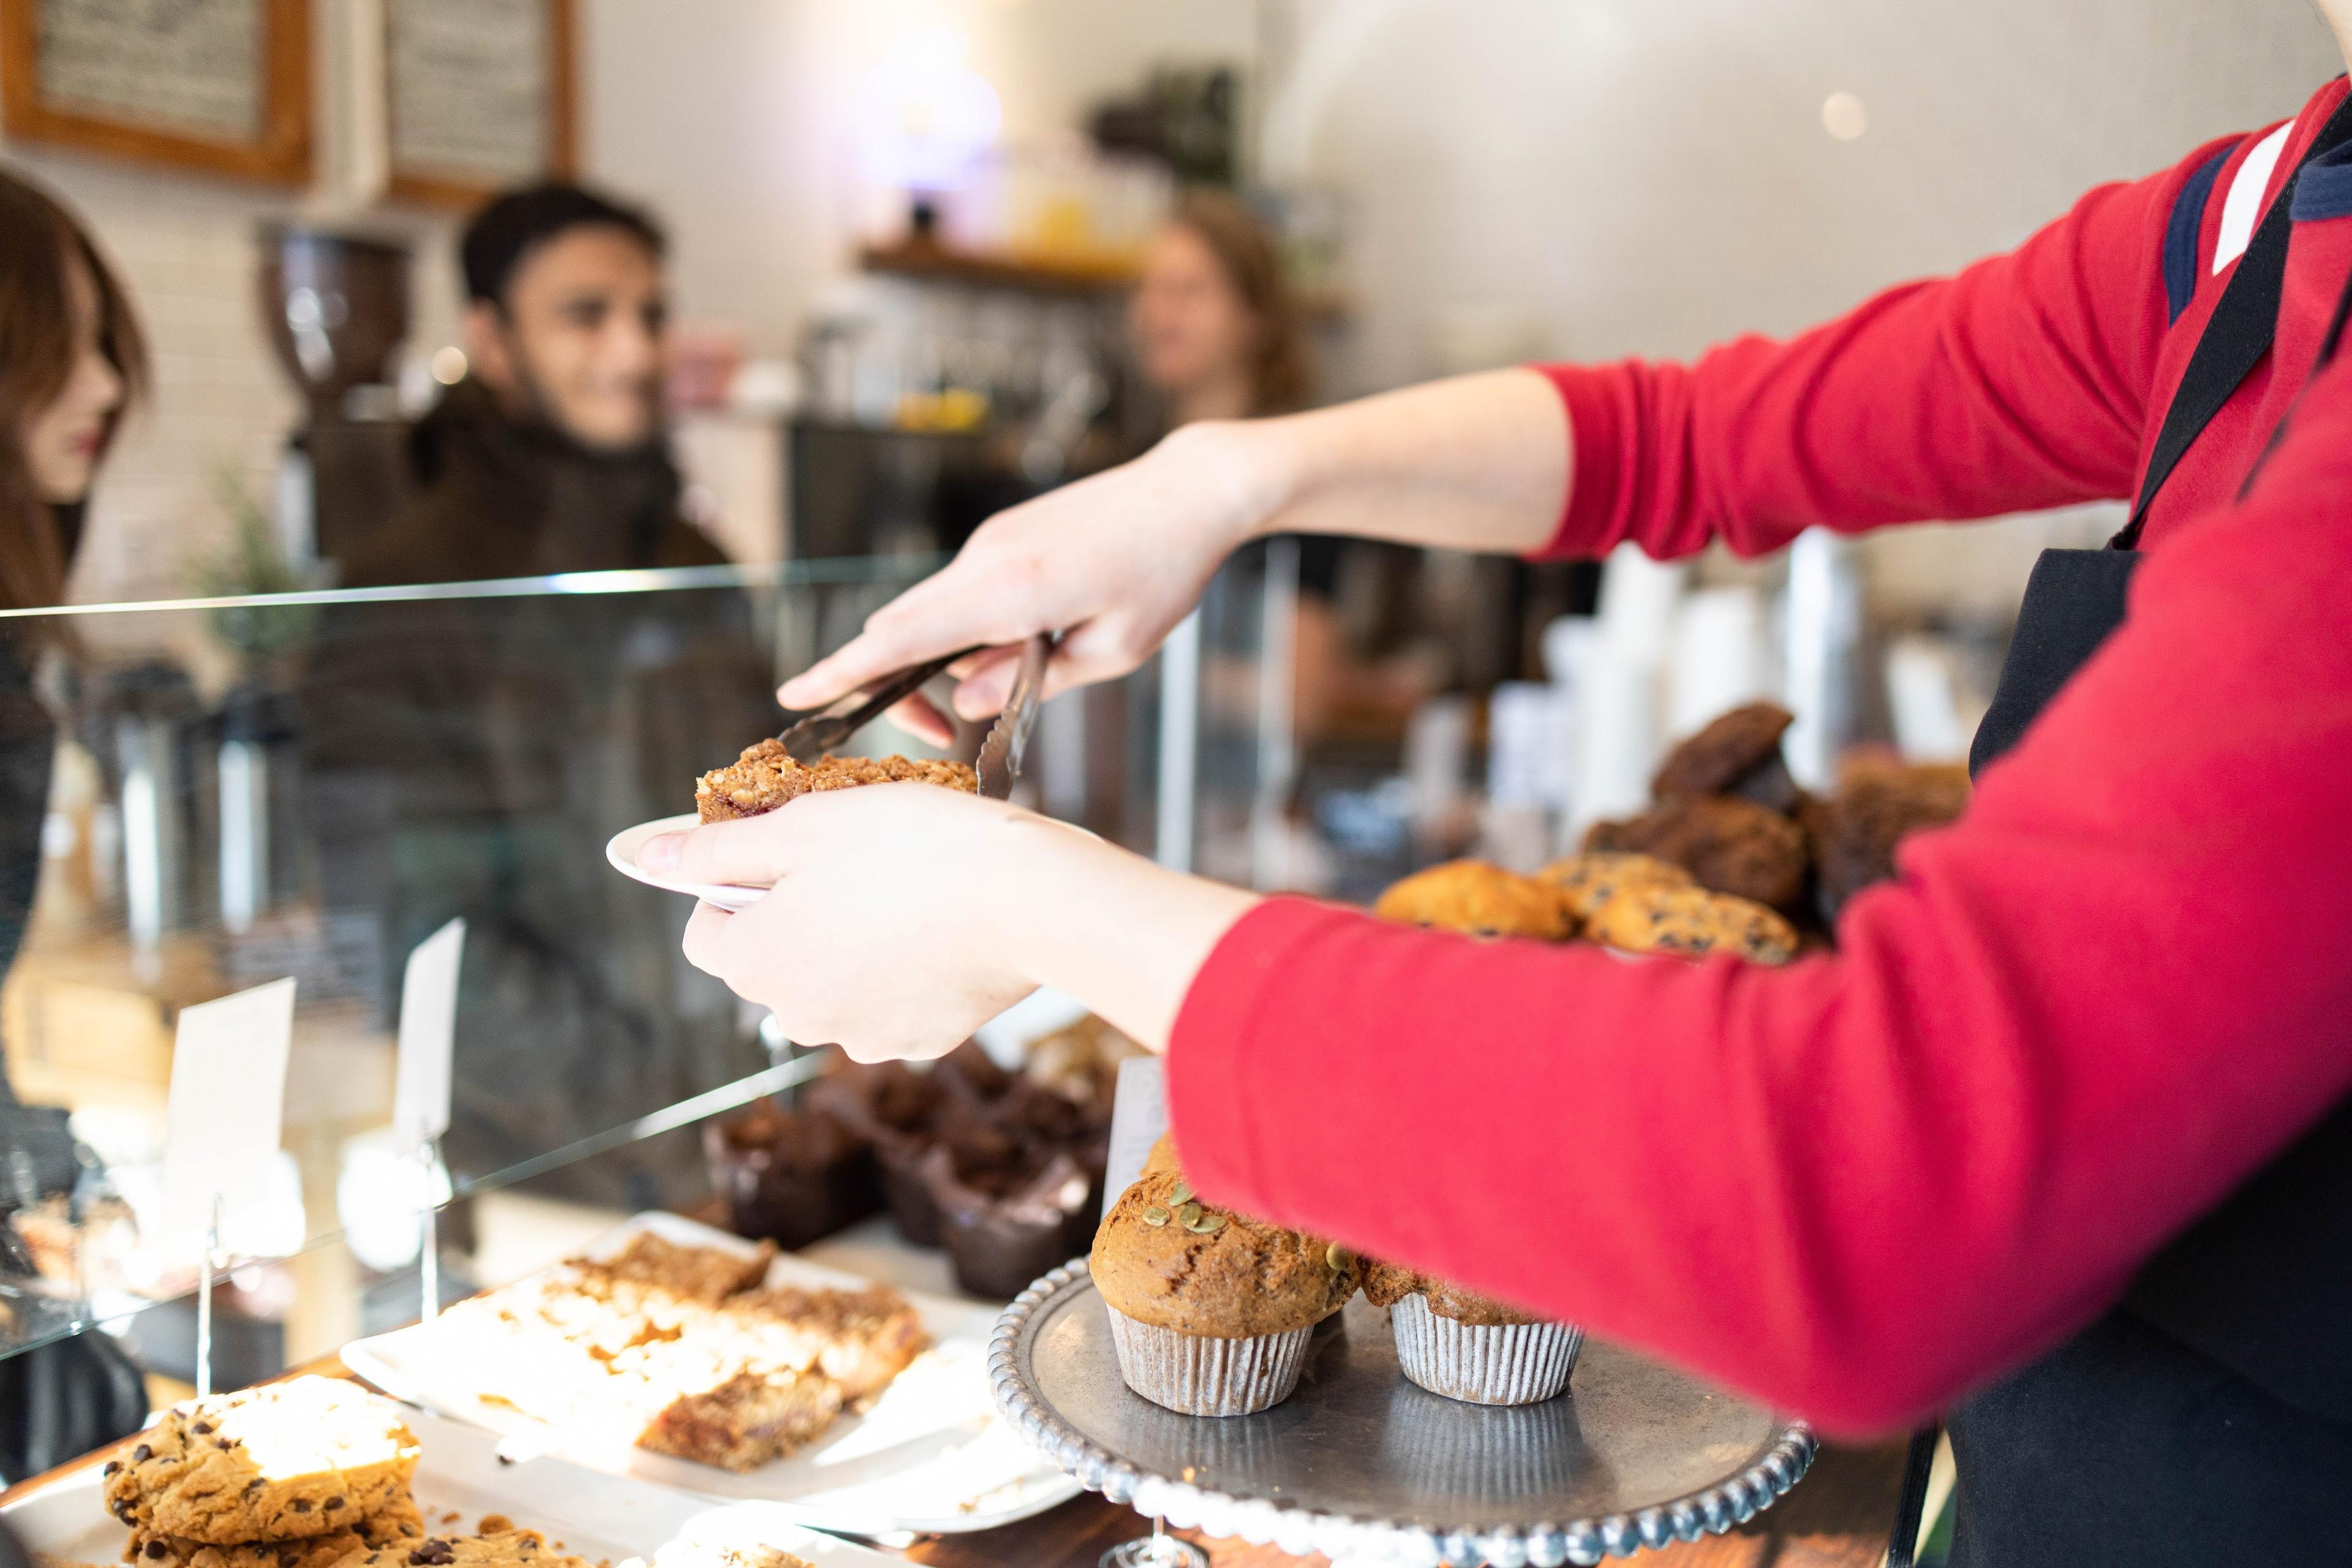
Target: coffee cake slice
(745,1419)
(859,1339)
(766,776)
(705,1274)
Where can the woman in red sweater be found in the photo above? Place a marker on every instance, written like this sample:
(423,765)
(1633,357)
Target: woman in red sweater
(2058,1141)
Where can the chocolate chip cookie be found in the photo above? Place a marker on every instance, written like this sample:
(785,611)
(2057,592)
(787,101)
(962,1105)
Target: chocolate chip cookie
(285,1461)
(400,1522)
(1482,900)
(1588,881)
(1693,922)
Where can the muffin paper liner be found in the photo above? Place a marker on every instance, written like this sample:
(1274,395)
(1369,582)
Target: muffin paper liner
(1486,1363)
(1195,1375)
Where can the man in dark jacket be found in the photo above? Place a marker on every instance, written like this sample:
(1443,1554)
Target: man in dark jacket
(549,456)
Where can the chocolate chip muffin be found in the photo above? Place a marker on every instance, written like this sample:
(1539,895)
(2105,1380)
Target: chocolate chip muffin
(1721,757)
(766,776)
(1457,1343)
(1585,883)
(281,1462)
(1481,899)
(1649,918)
(1875,807)
(1211,1311)
(1727,844)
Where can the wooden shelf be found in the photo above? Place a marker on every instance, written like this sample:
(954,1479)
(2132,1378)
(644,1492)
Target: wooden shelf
(935,262)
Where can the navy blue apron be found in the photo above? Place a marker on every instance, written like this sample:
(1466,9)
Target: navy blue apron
(2207,1418)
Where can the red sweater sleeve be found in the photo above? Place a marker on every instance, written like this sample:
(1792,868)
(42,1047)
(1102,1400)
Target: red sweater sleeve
(1861,1183)
(2021,382)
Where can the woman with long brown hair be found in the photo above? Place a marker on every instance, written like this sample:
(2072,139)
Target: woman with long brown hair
(71,356)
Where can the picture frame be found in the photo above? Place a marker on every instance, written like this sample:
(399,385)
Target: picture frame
(74,73)
(480,53)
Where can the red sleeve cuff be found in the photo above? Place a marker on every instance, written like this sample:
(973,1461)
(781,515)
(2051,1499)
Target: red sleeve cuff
(1588,525)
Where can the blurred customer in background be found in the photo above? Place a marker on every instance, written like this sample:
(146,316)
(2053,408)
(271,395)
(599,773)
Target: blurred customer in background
(550,455)
(71,356)
(1218,335)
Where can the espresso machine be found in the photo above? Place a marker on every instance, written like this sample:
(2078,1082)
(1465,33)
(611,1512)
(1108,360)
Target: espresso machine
(336,306)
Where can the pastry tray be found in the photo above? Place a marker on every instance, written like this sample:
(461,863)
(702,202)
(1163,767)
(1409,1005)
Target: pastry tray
(1368,1469)
(600,1518)
(930,1456)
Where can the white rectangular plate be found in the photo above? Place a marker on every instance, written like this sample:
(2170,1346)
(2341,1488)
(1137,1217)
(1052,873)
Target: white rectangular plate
(592,1516)
(931,1455)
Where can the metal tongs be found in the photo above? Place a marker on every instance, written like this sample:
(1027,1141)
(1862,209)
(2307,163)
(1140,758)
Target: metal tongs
(810,733)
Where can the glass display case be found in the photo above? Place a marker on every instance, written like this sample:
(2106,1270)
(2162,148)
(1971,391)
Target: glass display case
(203,796)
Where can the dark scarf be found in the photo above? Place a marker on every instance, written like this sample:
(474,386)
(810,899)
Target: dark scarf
(501,497)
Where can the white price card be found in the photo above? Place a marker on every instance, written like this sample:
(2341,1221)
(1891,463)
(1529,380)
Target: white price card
(428,1028)
(228,1100)
(1139,1115)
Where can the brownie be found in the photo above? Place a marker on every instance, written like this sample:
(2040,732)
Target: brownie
(1875,808)
(1165,1258)
(766,776)
(1482,900)
(1727,844)
(1004,1225)
(891,1108)
(790,1176)
(281,1462)
(1720,758)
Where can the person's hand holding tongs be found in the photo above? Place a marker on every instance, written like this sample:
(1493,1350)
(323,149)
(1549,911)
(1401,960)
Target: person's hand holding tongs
(809,734)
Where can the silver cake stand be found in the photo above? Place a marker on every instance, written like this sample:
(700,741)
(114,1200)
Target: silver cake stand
(1373,1472)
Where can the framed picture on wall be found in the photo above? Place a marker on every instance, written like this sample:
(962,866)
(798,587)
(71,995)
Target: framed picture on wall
(480,95)
(219,85)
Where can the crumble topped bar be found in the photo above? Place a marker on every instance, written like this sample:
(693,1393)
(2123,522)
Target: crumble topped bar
(704,1274)
(766,776)
(860,1339)
(680,1350)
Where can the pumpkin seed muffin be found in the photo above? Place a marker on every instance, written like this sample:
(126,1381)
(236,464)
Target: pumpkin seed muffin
(1163,1257)
(1590,880)
(1648,918)
(1386,1284)
(766,776)
(1470,1347)
(1482,900)
(282,1462)
(1211,1311)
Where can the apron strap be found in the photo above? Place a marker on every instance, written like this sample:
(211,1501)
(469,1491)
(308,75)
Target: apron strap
(2236,336)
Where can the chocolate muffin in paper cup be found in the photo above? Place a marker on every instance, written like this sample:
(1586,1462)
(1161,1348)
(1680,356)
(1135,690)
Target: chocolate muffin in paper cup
(1211,1312)
(1470,1347)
